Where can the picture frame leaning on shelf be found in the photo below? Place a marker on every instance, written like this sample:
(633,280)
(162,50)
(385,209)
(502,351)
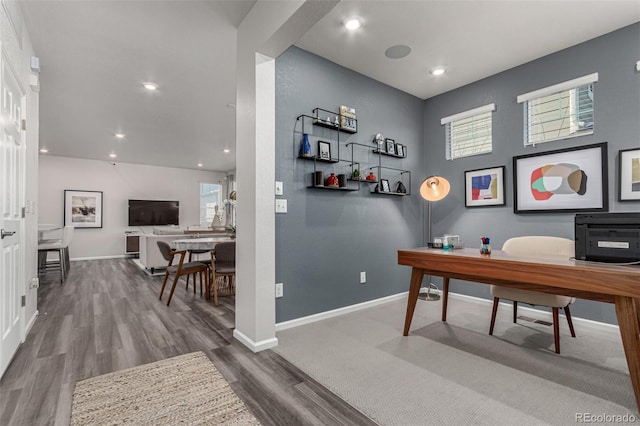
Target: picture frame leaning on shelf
(324,150)
(391,146)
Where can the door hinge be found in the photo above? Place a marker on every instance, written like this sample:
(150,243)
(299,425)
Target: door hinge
(23,124)
(24,301)
(24,212)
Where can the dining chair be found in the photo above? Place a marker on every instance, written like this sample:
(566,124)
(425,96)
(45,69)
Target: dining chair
(223,268)
(61,247)
(539,247)
(181,269)
(205,261)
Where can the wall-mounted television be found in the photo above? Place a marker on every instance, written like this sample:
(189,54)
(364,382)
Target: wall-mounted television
(153,212)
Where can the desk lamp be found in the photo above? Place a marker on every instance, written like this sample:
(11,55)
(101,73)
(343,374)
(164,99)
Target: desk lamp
(434,188)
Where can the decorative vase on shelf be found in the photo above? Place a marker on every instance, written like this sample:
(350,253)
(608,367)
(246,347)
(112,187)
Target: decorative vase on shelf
(305,146)
(371,176)
(356,174)
(332,181)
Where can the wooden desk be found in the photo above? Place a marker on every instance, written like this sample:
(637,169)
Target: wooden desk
(586,280)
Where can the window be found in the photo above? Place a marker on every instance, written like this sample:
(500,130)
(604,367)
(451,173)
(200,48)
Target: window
(561,111)
(469,133)
(210,197)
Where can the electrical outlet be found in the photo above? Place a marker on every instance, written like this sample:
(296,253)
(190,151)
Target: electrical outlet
(363,277)
(281,205)
(279,289)
(35,282)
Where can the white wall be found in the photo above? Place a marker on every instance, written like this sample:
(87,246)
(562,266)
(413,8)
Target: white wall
(119,183)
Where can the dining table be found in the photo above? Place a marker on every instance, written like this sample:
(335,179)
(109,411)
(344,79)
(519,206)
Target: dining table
(189,244)
(199,245)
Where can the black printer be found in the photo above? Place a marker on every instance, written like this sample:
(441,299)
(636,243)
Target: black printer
(608,237)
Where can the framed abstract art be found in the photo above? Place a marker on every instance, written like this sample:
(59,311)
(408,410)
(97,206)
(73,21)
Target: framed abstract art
(484,187)
(629,175)
(565,180)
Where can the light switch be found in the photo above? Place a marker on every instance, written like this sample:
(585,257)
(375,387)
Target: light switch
(281,205)
(279,188)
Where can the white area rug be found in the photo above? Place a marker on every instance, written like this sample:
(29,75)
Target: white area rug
(186,389)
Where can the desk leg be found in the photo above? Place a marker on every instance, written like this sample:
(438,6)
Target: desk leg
(628,312)
(445,297)
(414,290)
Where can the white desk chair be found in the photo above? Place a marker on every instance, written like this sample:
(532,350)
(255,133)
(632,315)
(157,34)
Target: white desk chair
(539,247)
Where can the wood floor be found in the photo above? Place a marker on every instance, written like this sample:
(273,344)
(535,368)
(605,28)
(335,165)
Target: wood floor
(108,317)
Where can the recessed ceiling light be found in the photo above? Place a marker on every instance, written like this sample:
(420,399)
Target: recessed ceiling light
(44,150)
(112,155)
(437,71)
(353,23)
(120,135)
(199,164)
(150,86)
(397,52)
(226,150)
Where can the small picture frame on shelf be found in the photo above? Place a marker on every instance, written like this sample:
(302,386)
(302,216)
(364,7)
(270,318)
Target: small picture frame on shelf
(399,150)
(384,185)
(391,146)
(324,150)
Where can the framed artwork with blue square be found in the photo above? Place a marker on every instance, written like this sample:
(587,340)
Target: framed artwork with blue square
(484,187)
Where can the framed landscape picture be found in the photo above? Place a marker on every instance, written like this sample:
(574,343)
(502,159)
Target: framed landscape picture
(629,175)
(484,187)
(565,180)
(83,209)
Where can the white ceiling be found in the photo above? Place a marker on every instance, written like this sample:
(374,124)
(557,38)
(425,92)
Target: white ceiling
(95,55)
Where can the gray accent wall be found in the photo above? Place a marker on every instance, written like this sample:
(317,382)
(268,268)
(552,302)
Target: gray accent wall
(328,237)
(617,121)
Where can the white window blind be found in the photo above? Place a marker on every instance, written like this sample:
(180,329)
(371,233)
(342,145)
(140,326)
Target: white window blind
(560,111)
(469,133)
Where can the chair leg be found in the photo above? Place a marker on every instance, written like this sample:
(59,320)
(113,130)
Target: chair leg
(164,282)
(173,287)
(214,284)
(515,312)
(493,314)
(556,330)
(63,266)
(567,313)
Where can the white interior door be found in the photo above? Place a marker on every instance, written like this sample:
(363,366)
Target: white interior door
(12,160)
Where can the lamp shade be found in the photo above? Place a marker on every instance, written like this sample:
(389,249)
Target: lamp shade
(434,188)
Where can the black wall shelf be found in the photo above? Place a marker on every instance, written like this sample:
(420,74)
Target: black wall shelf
(321,160)
(378,151)
(334,188)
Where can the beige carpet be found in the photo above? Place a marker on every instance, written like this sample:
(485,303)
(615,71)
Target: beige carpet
(454,373)
(186,389)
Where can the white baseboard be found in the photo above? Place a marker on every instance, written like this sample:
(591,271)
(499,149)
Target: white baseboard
(336,312)
(32,321)
(255,346)
(115,256)
(538,314)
